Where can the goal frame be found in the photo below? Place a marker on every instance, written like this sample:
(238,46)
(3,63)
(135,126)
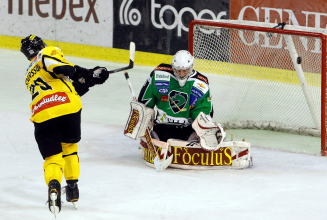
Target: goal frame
(280,31)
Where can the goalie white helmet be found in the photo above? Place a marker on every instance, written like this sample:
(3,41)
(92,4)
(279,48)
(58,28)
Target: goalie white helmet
(182,66)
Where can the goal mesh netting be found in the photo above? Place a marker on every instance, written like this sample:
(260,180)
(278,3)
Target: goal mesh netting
(263,77)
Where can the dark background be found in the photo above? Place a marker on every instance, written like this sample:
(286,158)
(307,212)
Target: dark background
(149,38)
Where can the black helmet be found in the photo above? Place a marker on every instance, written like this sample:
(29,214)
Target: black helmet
(31,45)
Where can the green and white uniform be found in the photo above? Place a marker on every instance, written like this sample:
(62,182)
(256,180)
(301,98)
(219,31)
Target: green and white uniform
(176,105)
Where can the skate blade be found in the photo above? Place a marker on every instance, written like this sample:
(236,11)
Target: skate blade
(54,209)
(75,205)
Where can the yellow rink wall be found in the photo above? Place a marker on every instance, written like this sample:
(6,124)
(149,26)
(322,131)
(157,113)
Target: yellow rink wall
(94,52)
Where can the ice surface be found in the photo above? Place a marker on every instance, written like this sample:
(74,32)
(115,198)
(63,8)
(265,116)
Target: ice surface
(115,183)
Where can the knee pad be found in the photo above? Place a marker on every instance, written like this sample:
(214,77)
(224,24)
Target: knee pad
(71,170)
(53,167)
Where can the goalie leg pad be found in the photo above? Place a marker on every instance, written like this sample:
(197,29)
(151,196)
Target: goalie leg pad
(190,155)
(139,119)
(241,154)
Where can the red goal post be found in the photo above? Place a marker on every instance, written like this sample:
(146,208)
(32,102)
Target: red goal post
(258,64)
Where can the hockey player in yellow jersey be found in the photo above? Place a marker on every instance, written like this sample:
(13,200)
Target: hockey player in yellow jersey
(56,86)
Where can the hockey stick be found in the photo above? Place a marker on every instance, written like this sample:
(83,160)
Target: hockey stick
(158,164)
(131,59)
(130,85)
(130,66)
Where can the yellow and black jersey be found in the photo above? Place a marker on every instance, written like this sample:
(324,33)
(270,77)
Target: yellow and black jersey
(53,95)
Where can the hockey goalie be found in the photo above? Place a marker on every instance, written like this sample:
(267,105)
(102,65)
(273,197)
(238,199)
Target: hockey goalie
(182,134)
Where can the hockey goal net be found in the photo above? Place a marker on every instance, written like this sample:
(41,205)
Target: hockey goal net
(264,75)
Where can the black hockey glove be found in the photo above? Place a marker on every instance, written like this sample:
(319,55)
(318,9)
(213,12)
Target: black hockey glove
(80,88)
(100,75)
(83,76)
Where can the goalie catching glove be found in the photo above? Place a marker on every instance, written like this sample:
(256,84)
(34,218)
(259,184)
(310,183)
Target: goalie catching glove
(139,120)
(210,133)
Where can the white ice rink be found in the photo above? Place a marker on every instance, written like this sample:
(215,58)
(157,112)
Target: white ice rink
(115,183)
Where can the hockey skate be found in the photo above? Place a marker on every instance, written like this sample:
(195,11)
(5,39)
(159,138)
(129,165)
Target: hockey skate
(54,197)
(72,193)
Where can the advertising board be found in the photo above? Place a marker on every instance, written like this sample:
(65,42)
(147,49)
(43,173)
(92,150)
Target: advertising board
(161,26)
(88,22)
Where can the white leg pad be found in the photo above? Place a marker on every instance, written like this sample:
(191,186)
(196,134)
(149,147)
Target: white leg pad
(190,155)
(139,120)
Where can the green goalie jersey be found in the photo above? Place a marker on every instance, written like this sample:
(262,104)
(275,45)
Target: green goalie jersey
(175,104)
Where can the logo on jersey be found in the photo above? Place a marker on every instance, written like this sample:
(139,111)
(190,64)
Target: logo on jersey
(161,84)
(164,98)
(193,101)
(49,101)
(162,77)
(196,93)
(199,85)
(177,100)
(163,90)
(202,78)
(164,68)
(54,52)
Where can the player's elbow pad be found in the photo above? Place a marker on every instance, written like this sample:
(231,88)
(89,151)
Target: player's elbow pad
(65,70)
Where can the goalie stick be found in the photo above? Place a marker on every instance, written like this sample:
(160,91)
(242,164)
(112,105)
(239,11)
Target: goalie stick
(131,62)
(130,85)
(158,164)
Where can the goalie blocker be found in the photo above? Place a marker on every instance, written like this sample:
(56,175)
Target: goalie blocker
(140,118)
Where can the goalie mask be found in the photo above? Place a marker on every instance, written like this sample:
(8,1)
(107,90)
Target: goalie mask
(182,65)
(31,46)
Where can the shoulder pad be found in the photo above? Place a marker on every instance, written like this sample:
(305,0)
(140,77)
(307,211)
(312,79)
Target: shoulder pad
(164,67)
(201,86)
(200,77)
(163,72)
(150,77)
(52,51)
